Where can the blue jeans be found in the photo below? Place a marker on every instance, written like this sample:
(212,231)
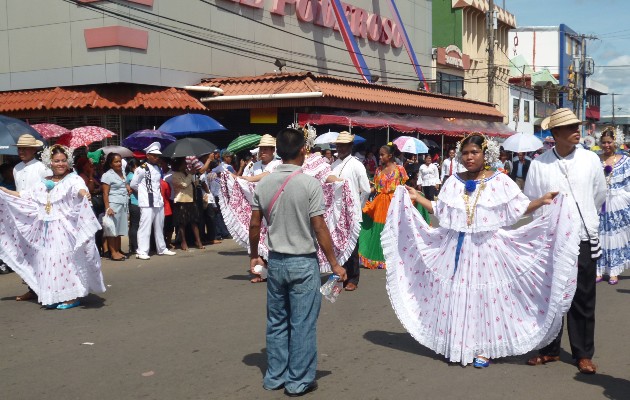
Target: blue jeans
(293,303)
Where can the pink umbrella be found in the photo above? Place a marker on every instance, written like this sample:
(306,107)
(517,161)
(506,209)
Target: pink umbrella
(84,136)
(50,130)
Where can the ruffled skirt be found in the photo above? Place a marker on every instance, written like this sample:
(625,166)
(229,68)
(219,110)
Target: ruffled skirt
(614,234)
(506,296)
(343,222)
(57,259)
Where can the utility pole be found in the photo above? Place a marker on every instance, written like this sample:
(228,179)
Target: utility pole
(584,72)
(491,22)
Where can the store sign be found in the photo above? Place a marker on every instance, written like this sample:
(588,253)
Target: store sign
(452,56)
(363,24)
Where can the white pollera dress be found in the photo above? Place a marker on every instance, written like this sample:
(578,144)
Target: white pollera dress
(53,252)
(343,222)
(509,289)
(614,221)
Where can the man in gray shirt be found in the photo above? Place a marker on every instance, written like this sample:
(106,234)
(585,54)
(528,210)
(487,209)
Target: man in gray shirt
(293,205)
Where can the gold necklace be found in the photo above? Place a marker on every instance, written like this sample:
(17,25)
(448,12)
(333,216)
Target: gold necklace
(470,210)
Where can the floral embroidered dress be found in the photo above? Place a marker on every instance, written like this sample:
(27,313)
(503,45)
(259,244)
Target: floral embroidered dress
(614,221)
(466,289)
(47,237)
(374,213)
(343,223)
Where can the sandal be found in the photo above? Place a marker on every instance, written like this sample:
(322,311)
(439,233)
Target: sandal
(586,366)
(257,279)
(541,359)
(613,281)
(26,296)
(201,247)
(481,362)
(598,279)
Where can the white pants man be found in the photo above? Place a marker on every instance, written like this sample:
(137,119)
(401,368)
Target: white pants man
(148,216)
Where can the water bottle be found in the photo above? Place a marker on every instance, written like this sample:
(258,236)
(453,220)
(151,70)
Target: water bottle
(261,270)
(332,288)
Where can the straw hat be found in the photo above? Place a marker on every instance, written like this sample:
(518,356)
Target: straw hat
(28,140)
(267,140)
(560,117)
(344,137)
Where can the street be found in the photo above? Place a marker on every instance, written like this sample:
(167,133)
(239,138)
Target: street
(193,327)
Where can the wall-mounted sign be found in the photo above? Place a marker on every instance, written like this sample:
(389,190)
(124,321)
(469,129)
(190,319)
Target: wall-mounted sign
(452,56)
(363,24)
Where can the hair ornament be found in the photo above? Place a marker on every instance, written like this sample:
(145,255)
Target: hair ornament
(47,154)
(309,133)
(490,148)
(617,134)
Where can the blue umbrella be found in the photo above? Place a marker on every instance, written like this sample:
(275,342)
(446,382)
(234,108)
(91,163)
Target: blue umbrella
(10,131)
(142,139)
(190,124)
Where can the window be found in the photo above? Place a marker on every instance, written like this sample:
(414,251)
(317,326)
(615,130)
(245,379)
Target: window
(448,84)
(525,111)
(516,108)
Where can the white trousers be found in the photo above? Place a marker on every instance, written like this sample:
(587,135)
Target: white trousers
(148,216)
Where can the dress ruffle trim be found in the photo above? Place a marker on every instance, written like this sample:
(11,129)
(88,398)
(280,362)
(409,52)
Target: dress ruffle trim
(620,181)
(406,237)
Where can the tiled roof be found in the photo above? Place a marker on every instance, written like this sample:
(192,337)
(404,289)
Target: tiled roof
(357,95)
(105,96)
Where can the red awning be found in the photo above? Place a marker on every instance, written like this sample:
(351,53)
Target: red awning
(410,123)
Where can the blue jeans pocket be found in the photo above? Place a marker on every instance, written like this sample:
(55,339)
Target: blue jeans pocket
(303,278)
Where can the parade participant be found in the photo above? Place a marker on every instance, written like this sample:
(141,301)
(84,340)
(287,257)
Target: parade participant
(48,234)
(293,205)
(470,289)
(146,181)
(266,161)
(388,176)
(520,169)
(116,196)
(341,219)
(134,210)
(578,173)
(26,175)
(429,178)
(451,166)
(185,212)
(349,168)
(615,214)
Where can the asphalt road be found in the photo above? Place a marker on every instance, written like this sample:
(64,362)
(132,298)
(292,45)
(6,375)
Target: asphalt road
(193,327)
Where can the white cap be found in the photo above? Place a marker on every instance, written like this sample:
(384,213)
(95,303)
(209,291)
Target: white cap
(255,151)
(154,148)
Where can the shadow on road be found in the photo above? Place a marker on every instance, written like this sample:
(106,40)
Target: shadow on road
(92,301)
(238,277)
(400,341)
(260,360)
(618,290)
(233,253)
(614,388)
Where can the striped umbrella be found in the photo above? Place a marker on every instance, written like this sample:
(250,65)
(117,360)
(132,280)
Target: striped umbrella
(408,144)
(244,142)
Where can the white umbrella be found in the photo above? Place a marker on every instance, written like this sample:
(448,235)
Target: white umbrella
(327,137)
(522,143)
(123,151)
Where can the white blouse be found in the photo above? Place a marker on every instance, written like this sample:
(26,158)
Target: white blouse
(429,175)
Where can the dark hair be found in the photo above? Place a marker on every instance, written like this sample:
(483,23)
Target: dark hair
(131,164)
(474,139)
(177,163)
(80,162)
(391,149)
(59,150)
(316,149)
(108,161)
(288,143)
(608,133)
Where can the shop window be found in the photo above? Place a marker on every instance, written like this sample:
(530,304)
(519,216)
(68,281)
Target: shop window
(448,84)
(525,111)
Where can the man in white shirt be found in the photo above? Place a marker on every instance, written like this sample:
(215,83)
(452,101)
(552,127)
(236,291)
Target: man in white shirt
(146,181)
(30,171)
(578,174)
(266,161)
(349,168)
(450,166)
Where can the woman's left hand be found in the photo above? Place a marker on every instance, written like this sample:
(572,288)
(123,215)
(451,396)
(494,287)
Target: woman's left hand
(85,194)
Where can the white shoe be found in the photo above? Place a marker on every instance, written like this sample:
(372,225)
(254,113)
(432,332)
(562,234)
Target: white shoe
(143,257)
(168,252)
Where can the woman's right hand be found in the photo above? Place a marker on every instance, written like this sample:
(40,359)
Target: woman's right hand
(413,193)
(110,212)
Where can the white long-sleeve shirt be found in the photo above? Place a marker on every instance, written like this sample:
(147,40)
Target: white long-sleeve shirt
(26,175)
(139,183)
(429,175)
(446,168)
(587,182)
(353,170)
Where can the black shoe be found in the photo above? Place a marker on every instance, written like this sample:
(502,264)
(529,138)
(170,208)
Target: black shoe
(310,388)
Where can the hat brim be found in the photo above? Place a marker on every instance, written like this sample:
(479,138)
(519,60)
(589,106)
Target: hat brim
(35,145)
(545,123)
(343,141)
(156,152)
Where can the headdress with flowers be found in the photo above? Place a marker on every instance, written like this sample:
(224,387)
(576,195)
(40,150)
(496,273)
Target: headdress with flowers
(309,133)
(490,148)
(47,154)
(618,136)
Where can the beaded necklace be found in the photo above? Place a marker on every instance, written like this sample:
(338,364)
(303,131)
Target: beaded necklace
(470,187)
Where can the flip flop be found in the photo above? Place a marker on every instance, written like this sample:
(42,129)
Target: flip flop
(613,281)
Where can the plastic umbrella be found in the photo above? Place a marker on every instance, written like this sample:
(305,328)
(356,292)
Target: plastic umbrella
(330,137)
(408,144)
(123,151)
(522,143)
(142,139)
(244,142)
(188,147)
(50,130)
(84,136)
(10,131)
(190,124)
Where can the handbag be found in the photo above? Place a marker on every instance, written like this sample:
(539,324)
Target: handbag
(109,227)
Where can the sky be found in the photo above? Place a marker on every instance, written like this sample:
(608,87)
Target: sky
(609,20)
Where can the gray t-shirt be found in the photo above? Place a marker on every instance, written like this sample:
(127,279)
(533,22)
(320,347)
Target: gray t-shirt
(290,230)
